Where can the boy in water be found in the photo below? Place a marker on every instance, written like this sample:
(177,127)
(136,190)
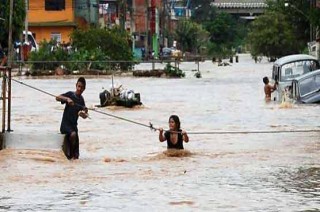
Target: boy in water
(75,107)
(268,89)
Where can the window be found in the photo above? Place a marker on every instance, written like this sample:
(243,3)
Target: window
(307,86)
(55,5)
(56,36)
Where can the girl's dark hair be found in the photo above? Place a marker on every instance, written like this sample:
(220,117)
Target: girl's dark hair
(82,80)
(176,121)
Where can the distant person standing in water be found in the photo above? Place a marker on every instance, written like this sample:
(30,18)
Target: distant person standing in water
(174,136)
(75,107)
(268,89)
(3,57)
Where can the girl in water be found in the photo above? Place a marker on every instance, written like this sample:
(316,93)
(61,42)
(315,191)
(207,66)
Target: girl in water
(174,136)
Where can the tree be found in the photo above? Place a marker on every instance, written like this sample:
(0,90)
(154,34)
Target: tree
(18,17)
(298,14)
(108,44)
(223,35)
(203,11)
(190,36)
(113,42)
(272,35)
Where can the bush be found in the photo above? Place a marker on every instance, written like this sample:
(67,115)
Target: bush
(47,56)
(172,71)
(93,48)
(112,43)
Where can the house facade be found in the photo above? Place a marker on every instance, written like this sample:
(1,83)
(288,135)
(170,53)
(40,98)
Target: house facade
(56,19)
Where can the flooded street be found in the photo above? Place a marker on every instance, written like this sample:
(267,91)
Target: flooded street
(122,166)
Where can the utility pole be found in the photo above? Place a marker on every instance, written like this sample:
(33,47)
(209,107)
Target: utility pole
(9,66)
(26,23)
(123,14)
(132,25)
(146,40)
(10,35)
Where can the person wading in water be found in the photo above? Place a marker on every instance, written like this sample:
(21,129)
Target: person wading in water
(75,107)
(175,136)
(268,89)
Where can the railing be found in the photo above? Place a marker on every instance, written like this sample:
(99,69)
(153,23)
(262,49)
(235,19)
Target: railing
(99,67)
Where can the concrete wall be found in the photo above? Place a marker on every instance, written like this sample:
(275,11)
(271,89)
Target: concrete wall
(31,141)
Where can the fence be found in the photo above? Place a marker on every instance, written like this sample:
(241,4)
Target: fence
(100,67)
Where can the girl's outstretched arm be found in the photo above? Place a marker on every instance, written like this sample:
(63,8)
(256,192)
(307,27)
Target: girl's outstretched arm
(185,136)
(161,137)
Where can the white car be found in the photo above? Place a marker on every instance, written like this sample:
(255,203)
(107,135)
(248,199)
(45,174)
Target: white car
(287,68)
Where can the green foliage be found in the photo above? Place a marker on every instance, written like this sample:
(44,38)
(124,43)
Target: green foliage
(190,36)
(17,20)
(88,59)
(45,58)
(203,11)
(224,34)
(113,43)
(315,17)
(93,49)
(272,35)
(225,31)
(298,15)
(172,71)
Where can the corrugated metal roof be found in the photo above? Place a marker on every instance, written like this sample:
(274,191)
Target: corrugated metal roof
(240,1)
(240,4)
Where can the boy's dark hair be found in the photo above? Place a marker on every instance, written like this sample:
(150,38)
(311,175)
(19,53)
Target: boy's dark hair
(265,80)
(176,120)
(82,80)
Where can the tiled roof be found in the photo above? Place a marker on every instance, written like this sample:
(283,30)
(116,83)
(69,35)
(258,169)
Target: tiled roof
(240,3)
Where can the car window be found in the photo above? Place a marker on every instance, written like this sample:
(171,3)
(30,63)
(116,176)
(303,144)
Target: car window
(295,69)
(307,86)
(31,40)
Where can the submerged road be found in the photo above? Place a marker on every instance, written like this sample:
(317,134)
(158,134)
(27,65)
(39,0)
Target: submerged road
(124,167)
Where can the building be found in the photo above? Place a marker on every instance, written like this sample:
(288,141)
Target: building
(56,19)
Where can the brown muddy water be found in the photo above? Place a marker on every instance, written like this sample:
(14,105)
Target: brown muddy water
(123,167)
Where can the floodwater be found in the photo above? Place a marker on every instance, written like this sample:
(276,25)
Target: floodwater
(123,167)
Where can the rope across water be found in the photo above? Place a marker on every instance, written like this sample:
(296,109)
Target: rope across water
(151,127)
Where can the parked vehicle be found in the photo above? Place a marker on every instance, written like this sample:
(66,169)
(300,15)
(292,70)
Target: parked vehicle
(170,53)
(287,68)
(31,46)
(32,41)
(306,88)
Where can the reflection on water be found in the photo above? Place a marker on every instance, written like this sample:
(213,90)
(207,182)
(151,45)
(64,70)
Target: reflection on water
(305,181)
(124,166)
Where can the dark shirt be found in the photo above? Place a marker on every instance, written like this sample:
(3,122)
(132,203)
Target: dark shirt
(170,145)
(69,121)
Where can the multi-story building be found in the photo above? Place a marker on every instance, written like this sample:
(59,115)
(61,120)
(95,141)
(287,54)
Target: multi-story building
(56,19)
